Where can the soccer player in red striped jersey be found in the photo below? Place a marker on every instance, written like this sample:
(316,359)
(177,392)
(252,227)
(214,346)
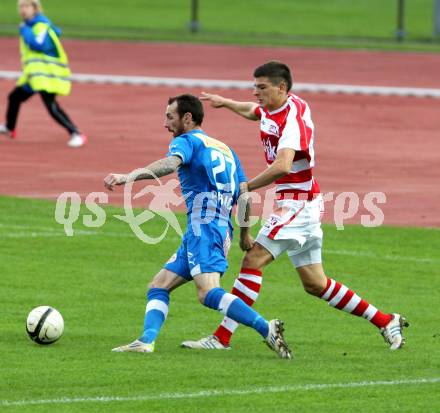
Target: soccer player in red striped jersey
(287,135)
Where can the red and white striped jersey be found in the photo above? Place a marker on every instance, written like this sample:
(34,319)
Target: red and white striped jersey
(290,126)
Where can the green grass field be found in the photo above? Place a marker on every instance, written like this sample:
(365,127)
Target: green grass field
(98,277)
(335,23)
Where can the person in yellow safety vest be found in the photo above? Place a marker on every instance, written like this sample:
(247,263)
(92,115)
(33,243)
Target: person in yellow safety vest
(45,71)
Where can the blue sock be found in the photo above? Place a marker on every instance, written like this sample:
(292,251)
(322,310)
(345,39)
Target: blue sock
(155,313)
(235,308)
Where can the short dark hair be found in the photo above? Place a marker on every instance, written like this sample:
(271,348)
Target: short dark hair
(276,72)
(189,104)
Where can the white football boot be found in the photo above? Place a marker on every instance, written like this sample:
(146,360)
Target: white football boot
(392,332)
(205,343)
(76,140)
(136,346)
(275,339)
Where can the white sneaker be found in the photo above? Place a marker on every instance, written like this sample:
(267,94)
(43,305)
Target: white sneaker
(76,140)
(136,347)
(205,343)
(5,131)
(392,332)
(275,339)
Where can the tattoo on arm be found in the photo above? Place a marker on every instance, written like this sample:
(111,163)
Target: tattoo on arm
(156,169)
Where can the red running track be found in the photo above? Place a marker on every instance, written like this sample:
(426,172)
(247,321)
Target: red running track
(363,143)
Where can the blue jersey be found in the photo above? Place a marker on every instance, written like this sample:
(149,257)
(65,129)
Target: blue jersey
(42,43)
(210,177)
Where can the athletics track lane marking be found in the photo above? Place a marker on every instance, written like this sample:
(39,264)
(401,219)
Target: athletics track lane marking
(242,84)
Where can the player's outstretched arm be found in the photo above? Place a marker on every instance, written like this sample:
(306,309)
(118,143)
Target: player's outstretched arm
(245,109)
(154,170)
(279,168)
(244,212)
(159,168)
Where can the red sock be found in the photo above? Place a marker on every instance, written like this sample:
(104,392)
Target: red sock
(247,287)
(340,297)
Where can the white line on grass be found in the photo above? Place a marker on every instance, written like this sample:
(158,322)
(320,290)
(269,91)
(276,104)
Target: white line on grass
(42,234)
(216,393)
(242,84)
(26,227)
(47,232)
(381,257)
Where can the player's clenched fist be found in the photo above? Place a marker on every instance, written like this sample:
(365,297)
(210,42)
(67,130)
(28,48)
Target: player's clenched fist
(217,101)
(114,179)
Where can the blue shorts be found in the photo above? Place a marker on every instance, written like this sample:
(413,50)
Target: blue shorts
(201,254)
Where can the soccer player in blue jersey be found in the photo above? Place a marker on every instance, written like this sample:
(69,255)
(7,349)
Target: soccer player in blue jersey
(211,180)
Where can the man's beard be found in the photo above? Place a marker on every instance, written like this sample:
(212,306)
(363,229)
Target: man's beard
(179,131)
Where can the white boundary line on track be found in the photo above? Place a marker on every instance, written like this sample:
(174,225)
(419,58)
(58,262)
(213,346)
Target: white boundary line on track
(216,393)
(48,232)
(242,84)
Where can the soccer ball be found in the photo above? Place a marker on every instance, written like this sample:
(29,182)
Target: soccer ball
(45,325)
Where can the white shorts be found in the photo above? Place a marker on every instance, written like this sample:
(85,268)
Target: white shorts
(295,227)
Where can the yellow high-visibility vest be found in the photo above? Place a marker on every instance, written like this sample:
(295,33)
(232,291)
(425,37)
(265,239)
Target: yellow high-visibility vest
(42,72)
